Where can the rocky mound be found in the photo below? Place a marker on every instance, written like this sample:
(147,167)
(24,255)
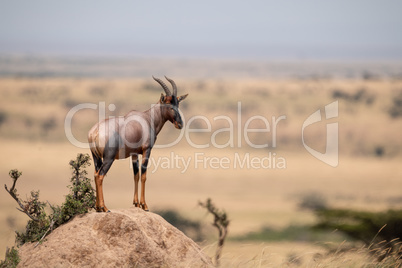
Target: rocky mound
(121,238)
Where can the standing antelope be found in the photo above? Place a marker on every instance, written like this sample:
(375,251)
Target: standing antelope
(131,135)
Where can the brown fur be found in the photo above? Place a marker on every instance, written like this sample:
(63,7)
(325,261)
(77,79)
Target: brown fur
(131,135)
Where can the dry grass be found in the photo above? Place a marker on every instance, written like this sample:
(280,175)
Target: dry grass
(252,197)
(365,124)
(300,254)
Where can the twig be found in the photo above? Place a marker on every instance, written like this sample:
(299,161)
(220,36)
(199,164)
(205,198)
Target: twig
(221,223)
(14,174)
(49,229)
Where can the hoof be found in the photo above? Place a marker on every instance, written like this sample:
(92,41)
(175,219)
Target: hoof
(137,205)
(101,209)
(144,207)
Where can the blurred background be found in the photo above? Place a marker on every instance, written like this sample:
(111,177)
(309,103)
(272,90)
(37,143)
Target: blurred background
(287,58)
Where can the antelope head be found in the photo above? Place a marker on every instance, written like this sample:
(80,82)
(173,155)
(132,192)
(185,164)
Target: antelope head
(170,103)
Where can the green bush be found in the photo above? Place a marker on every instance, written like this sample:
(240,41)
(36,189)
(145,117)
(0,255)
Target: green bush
(221,222)
(12,259)
(3,117)
(36,227)
(302,233)
(313,201)
(80,199)
(396,109)
(188,227)
(33,208)
(380,231)
(82,195)
(368,227)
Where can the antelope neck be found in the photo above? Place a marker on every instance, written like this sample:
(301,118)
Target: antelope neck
(155,118)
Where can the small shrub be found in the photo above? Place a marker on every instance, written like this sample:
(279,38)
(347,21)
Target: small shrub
(98,90)
(12,259)
(396,109)
(221,222)
(48,124)
(302,233)
(80,200)
(360,96)
(313,201)
(188,227)
(37,227)
(70,103)
(380,231)
(379,151)
(33,208)
(3,117)
(339,94)
(366,75)
(11,222)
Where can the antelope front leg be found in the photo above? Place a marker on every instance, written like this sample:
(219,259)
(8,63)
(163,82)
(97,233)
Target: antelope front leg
(144,178)
(136,179)
(142,201)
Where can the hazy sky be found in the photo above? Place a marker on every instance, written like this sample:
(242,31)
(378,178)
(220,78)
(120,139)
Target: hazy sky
(362,29)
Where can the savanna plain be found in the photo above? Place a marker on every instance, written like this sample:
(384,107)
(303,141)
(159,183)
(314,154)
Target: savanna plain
(242,146)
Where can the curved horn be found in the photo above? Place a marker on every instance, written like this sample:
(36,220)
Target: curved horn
(164,86)
(173,85)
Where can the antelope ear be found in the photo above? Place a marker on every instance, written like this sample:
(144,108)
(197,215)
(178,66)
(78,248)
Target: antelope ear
(179,99)
(162,99)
